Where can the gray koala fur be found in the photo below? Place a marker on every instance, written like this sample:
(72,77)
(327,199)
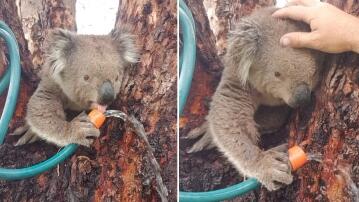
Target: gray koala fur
(79,70)
(260,81)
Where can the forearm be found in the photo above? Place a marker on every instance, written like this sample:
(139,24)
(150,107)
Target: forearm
(46,117)
(233,128)
(235,133)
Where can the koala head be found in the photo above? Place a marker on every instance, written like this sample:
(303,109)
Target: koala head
(89,69)
(279,74)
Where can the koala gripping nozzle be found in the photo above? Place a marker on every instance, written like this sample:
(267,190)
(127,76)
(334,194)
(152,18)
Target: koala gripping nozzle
(97,118)
(297,157)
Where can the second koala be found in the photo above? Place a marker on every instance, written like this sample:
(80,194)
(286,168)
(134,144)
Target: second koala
(260,80)
(80,72)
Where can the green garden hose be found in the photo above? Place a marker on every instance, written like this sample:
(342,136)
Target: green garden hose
(12,79)
(220,194)
(188,54)
(187,63)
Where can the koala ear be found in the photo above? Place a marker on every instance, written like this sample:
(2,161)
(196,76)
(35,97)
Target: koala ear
(125,43)
(243,44)
(59,45)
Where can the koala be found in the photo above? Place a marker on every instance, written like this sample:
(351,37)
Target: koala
(260,83)
(80,72)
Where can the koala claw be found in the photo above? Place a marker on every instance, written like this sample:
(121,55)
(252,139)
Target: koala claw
(28,137)
(20,130)
(84,136)
(204,143)
(281,148)
(83,130)
(276,169)
(197,132)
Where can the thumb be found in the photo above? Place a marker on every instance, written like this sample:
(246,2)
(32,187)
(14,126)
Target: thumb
(299,40)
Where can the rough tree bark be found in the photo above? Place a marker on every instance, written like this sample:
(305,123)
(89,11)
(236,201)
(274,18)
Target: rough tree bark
(330,127)
(150,94)
(222,15)
(39,16)
(115,167)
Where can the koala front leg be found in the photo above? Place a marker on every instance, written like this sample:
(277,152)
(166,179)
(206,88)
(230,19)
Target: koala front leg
(234,131)
(46,118)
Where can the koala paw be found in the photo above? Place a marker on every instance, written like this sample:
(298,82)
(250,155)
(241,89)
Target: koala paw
(82,131)
(275,169)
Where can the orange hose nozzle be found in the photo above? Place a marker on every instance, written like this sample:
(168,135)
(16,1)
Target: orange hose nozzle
(97,118)
(297,157)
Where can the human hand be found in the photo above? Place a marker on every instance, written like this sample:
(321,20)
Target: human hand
(332,30)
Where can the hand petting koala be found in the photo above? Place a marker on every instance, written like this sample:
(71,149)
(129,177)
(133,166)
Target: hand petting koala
(260,80)
(80,72)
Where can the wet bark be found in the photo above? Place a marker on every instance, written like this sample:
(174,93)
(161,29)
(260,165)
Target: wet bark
(329,127)
(115,167)
(150,94)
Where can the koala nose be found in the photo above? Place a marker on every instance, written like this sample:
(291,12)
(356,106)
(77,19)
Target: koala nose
(302,95)
(106,93)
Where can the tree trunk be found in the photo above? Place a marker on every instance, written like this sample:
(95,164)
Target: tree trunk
(150,94)
(223,14)
(115,167)
(330,127)
(37,17)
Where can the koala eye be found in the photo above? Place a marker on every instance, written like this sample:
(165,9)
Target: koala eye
(276,74)
(86,77)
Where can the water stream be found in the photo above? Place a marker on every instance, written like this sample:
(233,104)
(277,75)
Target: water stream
(138,128)
(353,189)
(315,157)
